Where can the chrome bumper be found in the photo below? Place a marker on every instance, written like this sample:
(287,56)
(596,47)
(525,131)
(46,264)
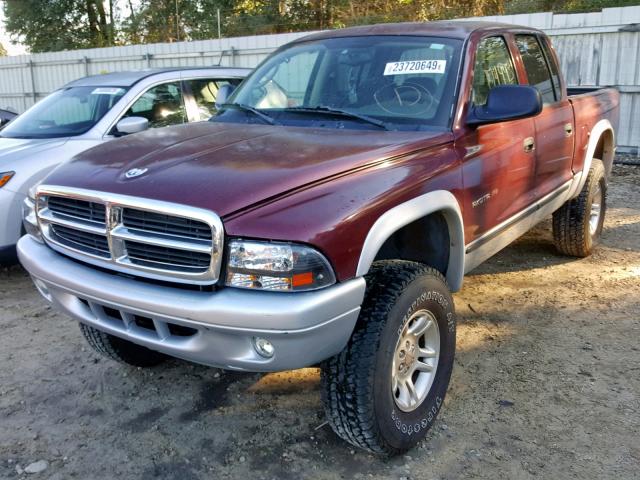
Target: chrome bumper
(304,328)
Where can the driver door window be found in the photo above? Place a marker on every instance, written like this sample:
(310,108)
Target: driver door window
(493,67)
(162,105)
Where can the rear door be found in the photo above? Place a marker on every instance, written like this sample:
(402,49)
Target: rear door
(554,125)
(498,159)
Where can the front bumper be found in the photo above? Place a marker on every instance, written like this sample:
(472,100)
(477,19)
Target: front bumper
(10,218)
(212,328)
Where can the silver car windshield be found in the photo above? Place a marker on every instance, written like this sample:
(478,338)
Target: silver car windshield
(405,82)
(65,113)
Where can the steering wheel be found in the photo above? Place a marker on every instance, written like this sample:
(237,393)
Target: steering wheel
(410,98)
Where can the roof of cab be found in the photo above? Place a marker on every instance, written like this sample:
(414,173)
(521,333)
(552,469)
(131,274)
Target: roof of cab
(129,78)
(460,29)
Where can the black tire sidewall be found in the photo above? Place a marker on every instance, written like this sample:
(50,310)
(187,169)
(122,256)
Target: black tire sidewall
(401,430)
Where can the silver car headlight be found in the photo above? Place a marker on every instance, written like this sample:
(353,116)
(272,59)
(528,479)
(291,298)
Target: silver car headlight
(276,266)
(29,219)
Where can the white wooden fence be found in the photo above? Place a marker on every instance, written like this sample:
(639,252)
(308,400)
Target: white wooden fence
(595,49)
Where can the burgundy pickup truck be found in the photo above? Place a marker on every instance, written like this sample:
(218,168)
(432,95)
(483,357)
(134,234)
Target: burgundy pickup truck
(327,213)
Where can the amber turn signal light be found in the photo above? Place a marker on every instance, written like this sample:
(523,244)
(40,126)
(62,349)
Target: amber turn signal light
(5,177)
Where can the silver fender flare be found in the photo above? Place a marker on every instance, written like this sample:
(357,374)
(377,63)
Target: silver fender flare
(401,215)
(596,133)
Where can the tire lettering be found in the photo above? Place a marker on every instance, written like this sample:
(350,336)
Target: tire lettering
(409,429)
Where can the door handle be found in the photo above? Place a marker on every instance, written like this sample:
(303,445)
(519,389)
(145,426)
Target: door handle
(529,145)
(568,129)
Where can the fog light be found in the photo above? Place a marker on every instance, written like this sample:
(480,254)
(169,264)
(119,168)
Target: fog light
(42,288)
(264,347)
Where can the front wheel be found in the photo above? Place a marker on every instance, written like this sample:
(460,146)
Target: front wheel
(385,389)
(121,350)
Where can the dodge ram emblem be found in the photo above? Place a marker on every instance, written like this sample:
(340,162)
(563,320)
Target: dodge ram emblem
(135,172)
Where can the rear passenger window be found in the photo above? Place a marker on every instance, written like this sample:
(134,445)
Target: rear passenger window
(493,67)
(536,66)
(555,76)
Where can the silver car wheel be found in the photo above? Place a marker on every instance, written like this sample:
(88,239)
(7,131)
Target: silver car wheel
(415,360)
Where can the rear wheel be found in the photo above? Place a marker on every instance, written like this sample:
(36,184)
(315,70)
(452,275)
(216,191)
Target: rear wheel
(577,225)
(384,390)
(120,350)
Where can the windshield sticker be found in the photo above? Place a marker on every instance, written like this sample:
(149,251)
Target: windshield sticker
(107,91)
(436,46)
(415,66)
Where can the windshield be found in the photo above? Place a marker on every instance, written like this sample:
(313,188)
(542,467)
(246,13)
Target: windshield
(65,113)
(405,82)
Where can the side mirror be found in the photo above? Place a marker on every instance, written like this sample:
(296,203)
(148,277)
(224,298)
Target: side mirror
(130,125)
(507,102)
(224,92)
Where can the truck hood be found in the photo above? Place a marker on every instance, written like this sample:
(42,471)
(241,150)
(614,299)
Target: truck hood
(12,150)
(226,167)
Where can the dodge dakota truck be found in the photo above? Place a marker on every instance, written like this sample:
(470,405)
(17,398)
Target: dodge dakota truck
(326,214)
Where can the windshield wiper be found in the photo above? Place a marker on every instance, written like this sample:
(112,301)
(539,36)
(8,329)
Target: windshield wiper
(246,108)
(342,113)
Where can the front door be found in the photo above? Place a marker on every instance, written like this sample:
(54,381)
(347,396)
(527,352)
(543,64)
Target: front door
(498,159)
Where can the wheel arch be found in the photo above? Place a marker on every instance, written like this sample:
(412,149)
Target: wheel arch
(602,142)
(605,149)
(437,204)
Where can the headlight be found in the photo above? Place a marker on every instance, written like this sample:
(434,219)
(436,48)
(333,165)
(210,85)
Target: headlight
(277,266)
(29,219)
(5,177)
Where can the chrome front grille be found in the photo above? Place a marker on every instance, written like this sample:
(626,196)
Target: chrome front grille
(77,239)
(147,238)
(160,223)
(152,255)
(78,209)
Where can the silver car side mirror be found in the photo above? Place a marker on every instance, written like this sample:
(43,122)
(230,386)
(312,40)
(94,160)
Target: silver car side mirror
(132,125)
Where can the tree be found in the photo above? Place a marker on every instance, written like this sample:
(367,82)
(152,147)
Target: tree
(51,25)
(160,21)
(3,51)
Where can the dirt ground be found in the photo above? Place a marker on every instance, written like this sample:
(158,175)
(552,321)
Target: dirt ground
(546,385)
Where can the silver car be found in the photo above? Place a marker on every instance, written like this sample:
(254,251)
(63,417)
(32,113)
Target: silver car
(92,110)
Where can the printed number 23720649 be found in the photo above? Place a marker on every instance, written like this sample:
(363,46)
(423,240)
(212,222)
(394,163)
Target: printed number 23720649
(415,66)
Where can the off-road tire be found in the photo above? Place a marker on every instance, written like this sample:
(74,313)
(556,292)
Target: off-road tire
(571,222)
(356,383)
(121,350)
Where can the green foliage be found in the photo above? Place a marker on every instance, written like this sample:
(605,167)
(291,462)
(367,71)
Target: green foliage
(50,25)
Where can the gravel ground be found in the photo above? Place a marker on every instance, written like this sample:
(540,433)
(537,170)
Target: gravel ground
(546,385)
